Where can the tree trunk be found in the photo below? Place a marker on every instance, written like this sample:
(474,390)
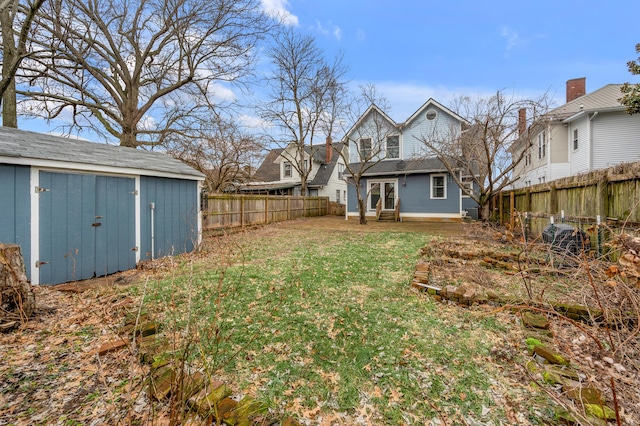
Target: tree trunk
(9,109)
(362,212)
(484,211)
(17,302)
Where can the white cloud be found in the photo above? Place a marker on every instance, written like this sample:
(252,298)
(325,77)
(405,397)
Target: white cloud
(405,98)
(337,32)
(279,9)
(253,122)
(512,37)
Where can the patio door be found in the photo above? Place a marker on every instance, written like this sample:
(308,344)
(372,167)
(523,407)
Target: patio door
(385,190)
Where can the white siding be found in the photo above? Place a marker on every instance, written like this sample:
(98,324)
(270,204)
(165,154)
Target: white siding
(616,139)
(579,158)
(559,170)
(442,127)
(334,184)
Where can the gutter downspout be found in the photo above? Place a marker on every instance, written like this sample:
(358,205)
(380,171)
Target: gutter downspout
(591,140)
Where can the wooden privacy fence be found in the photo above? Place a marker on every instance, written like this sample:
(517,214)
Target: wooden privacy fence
(231,210)
(612,194)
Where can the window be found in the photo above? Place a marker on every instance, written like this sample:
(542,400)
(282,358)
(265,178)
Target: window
(575,139)
(286,171)
(306,165)
(338,196)
(438,186)
(467,186)
(542,145)
(365,149)
(393,146)
(340,170)
(431,114)
(527,158)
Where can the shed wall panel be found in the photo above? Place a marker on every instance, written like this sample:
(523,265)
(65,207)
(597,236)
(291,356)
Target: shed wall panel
(175,223)
(15,209)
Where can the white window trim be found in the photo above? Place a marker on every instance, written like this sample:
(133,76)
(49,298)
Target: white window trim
(468,180)
(575,139)
(362,157)
(284,169)
(386,141)
(381,182)
(444,180)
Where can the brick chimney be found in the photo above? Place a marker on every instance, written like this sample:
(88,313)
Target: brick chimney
(329,150)
(522,121)
(576,87)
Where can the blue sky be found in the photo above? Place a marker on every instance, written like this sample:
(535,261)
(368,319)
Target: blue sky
(414,50)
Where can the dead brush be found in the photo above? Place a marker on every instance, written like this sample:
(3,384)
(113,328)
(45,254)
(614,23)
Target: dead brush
(598,328)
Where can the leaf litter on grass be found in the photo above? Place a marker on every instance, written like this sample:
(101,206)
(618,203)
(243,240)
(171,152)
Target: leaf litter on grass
(323,326)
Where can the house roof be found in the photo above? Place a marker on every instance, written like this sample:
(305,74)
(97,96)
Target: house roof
(30,148)
(605,98)
(401,167)
(269,170)
(433,102)
(372,108)
(324,173)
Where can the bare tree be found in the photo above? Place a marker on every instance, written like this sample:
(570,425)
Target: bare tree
(366,139)
(135,71)
(303,87)
(223,153)
(484,152)
(16,19)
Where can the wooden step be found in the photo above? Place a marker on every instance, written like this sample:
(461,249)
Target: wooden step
(387,217)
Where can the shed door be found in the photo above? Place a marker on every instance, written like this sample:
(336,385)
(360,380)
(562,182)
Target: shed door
(87,226)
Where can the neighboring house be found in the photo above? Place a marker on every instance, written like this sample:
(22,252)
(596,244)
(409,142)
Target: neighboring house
(590,132)
(399,171)
(82,210)
(278,176)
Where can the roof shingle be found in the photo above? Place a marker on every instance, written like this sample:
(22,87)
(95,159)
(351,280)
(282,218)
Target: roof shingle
(16,143)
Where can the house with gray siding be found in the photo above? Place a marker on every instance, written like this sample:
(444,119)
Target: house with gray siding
(277,174)
(589,132)
(399,174)
(81,210)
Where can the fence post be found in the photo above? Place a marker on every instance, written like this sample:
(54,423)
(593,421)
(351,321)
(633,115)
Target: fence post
(602,197)
(553,199)
(242,212)
(266,209)
(288,208)
(512,209)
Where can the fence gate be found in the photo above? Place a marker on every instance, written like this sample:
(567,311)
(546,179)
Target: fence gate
(87,226)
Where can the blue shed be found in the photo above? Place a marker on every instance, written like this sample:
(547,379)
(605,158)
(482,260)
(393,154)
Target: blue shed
(81,210)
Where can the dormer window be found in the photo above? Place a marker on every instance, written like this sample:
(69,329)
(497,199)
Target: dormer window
(286,169)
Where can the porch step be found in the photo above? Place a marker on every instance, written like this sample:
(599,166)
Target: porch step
(387,216)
